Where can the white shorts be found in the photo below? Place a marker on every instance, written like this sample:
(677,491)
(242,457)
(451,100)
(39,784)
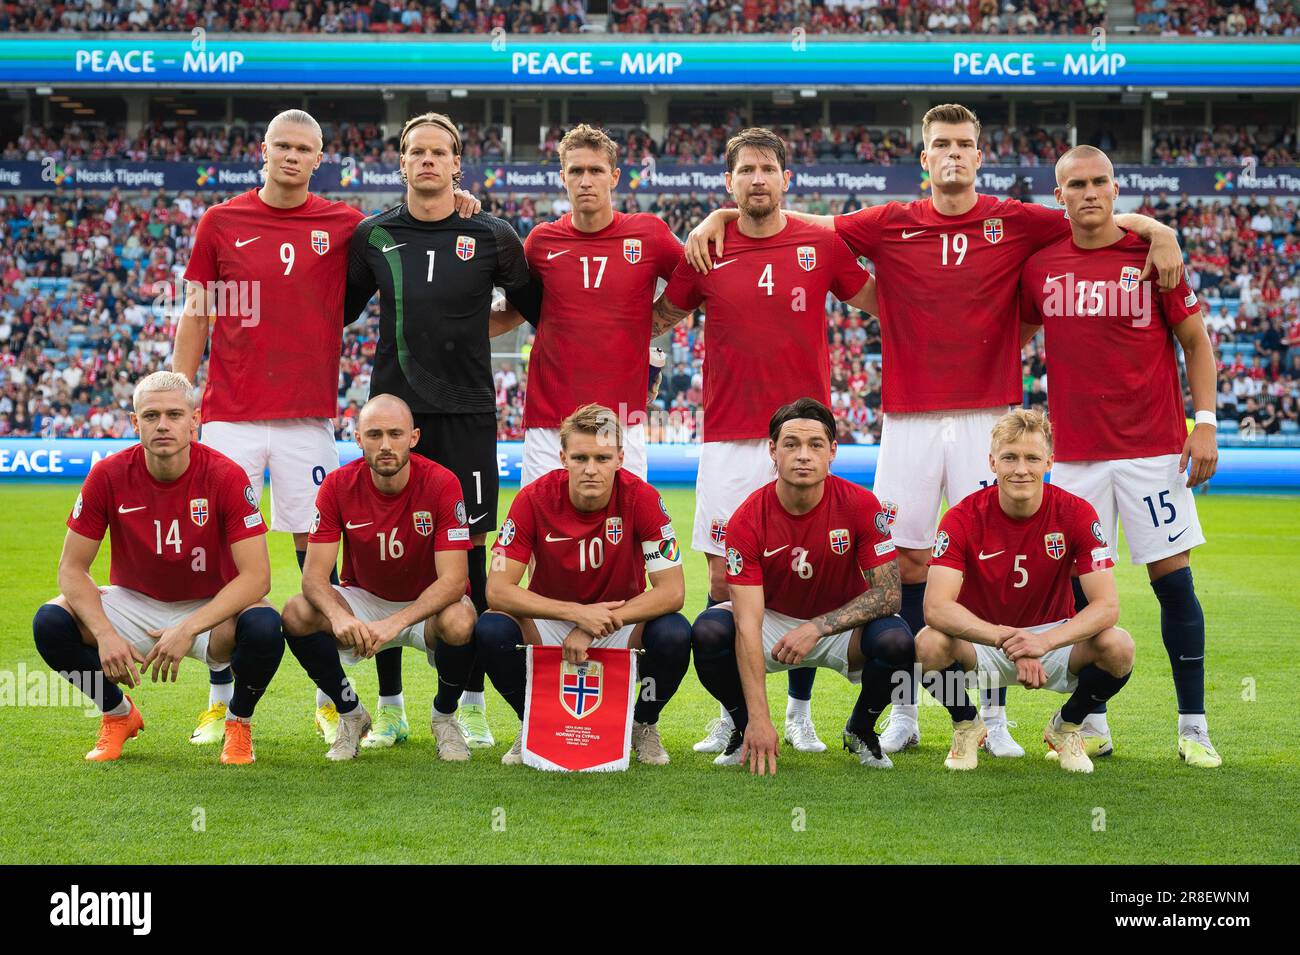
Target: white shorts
(1152,499)
(542,453)
(368,608)
(831,651)
(553,633)
(299,453)
(1000,670)
(133,614)
(729,471)
(927,456)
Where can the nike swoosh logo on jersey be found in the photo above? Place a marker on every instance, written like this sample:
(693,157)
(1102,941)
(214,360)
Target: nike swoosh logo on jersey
(352,527)
(1053,278)
(123,509)
(552,255)
(718,265)
(389,248)
(555,540)
(1178,535)
(240,243)
(908,235)
(475,520)
(984,556)
(769,553)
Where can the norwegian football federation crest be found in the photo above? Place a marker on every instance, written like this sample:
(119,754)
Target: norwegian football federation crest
(718,530)
(613,529)
(993,230)
(807,255)
(1128,278)
(464,247)
(735,563)
(580,687)
(840,540)
(890,510)
(507,533)
(940,544)
(1055,543)
(423,521)
(632,250)
(199,510)
(320,241)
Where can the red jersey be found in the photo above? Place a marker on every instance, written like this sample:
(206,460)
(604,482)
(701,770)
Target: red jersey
(1018,571)
(597,311)
(170,540)
(766,323)
(389,540)
(808,564)
(589,556)
(946,287)
(1115,391)
(275,343)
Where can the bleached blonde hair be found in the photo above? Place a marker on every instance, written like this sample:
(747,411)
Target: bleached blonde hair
(164,381)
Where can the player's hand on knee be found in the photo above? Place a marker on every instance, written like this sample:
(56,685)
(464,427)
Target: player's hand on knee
(795,645)
(760,747)
(166,656)
(466,204)
(576,645)
(1023,644)
(1030,673)
(118,659)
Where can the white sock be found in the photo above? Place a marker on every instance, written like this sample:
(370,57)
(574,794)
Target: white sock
(724,715)
(220,693)
(238,719)
(993,714)
(797,708)
(439,714)
(1097,723)
(472,699)
(121,709)
(393,701)
(1191,721)
(903,711)
(322,698)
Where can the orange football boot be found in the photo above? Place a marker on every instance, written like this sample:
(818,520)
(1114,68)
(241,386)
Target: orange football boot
(237,750)
(113,732)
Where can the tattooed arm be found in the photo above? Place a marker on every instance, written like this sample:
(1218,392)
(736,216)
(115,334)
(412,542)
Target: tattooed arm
(666,315)
(883,597)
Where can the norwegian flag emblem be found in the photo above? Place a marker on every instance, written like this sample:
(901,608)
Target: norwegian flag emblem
(320,241)
(199,510)
(423,523)
(993,230)
(807,256)
(464,247)
(1128,278)
(890,510)
(580,687)
(1055,544)
(840,540)
(614,529)
(632,250)
(718,530)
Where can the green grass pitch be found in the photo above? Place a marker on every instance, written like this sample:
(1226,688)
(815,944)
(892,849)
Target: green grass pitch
(167,801)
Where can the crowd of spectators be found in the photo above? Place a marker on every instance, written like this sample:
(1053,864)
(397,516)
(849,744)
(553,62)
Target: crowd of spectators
(880,17)
(1225,146)
(91,291)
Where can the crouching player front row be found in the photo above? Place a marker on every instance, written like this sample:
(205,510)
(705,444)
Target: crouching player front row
(814,581)
(405,539)
(593,531)
(998,598)
(188,574)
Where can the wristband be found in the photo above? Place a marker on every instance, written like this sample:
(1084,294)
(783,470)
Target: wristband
(1207,417)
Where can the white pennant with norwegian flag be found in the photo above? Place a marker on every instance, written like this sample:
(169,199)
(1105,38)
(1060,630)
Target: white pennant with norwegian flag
(578,717)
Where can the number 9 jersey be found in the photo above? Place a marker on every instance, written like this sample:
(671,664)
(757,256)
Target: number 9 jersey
(589,557)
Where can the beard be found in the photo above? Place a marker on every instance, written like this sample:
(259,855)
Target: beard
(388,466)
(757,213)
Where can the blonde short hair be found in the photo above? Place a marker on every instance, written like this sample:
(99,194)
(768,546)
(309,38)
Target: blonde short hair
(583,136)
(1017,423)
(953,113)
(593,419)
(163,381)
(1080,152)
(300,116)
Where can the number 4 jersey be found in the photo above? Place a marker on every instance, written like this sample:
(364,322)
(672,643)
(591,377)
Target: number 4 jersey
(389,540)
(1017,571)
(170,539)
(589,557)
